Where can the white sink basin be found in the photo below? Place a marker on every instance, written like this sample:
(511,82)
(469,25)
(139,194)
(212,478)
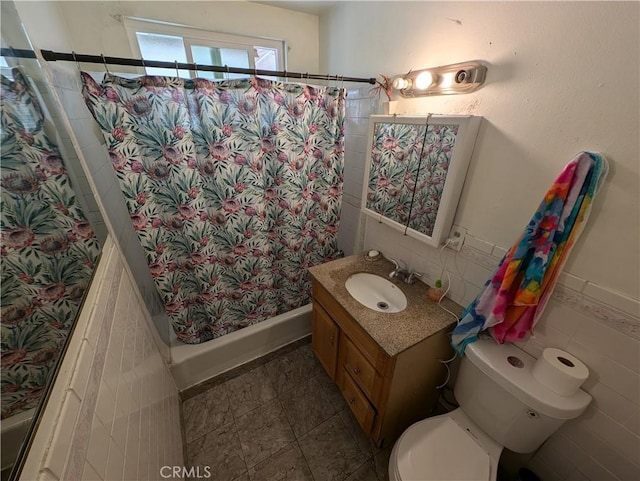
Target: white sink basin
(376,292)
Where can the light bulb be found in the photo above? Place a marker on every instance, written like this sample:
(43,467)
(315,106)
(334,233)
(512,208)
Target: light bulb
(424,80)
(447,80)
(400,83)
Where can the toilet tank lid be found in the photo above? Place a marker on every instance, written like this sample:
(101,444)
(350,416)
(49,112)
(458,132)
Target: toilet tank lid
(517,378)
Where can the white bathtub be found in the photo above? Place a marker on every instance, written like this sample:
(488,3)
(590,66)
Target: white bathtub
(12,434)
(192,364)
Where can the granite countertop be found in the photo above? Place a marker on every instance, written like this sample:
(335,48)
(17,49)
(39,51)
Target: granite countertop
(394,332)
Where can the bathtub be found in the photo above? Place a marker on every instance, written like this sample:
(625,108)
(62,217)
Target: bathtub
(192,364)
(13,432)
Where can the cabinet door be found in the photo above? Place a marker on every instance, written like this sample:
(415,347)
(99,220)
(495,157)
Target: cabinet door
(325,340)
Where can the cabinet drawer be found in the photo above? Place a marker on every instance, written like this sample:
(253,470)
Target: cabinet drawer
(356,400)
(360,369)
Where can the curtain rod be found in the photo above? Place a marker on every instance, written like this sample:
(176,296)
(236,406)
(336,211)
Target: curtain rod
(17,52)
(52,56)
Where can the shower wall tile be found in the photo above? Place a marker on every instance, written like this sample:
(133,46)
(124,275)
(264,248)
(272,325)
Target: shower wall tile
(597,325)
(479,244)
(359,106)
(499,252)
(56,458)
(105,428)
(612,298)
(75,107)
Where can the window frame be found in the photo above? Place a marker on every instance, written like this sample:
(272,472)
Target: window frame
(202,37)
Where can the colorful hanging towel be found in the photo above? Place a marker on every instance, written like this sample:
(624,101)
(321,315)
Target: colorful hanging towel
(513,300)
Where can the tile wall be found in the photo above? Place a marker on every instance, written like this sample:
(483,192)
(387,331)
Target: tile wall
(598,326)
(114,413)
(360,105)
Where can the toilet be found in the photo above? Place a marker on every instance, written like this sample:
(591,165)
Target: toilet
(501,405)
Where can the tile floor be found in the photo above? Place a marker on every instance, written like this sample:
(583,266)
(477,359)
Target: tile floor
(279,418)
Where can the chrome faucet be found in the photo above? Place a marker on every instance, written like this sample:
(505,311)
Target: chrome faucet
(402,274)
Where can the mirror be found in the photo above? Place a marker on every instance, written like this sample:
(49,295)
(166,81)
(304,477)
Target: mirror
(49,248)
(415,172)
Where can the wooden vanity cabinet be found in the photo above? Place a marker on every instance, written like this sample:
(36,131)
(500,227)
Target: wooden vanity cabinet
(385,393)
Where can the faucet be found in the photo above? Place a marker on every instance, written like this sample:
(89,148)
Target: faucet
(402,274)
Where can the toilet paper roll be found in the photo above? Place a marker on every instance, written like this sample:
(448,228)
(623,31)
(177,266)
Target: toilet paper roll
(560,371)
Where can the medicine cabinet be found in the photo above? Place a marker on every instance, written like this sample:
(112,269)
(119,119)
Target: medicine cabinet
(415,171)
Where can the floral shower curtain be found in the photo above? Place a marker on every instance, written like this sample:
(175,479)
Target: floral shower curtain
(48,249)
(234,189)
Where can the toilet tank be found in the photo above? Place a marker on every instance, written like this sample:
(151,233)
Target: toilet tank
(496,389)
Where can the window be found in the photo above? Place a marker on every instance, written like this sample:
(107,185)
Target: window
(170,43)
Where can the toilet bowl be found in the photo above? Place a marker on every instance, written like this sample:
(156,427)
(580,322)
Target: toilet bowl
(501,405)
(449,447)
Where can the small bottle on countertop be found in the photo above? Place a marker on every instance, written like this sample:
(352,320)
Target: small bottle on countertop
(435,293)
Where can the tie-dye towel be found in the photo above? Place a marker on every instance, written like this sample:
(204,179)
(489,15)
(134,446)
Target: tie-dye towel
(512,301)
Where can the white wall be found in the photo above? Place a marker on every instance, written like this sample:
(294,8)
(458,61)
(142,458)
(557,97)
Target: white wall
(93,29)
(563,77)
(114,410)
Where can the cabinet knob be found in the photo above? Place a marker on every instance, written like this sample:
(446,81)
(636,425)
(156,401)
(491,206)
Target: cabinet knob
(352,400)
(356,370)
(332,340)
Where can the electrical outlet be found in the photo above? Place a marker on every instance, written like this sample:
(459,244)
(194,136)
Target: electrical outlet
(456,238)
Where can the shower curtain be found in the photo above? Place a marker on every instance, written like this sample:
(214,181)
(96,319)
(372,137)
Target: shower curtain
(48,249)
(234,188)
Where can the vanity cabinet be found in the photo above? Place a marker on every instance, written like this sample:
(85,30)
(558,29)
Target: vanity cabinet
(385,393)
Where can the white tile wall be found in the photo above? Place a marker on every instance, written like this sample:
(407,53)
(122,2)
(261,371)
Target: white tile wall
(360,105)
(595,324)
(118,417)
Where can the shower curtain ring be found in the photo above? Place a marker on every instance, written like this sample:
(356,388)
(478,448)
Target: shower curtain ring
(195,68)
(177,71)
(105,64)
(227,73)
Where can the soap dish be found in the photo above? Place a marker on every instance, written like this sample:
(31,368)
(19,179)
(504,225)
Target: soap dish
(372,256)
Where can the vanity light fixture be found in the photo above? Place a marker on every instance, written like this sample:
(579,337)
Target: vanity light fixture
(457,78)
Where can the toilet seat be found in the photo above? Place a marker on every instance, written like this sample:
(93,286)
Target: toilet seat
(443,448)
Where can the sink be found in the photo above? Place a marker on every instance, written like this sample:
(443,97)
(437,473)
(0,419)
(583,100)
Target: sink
(376,292)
